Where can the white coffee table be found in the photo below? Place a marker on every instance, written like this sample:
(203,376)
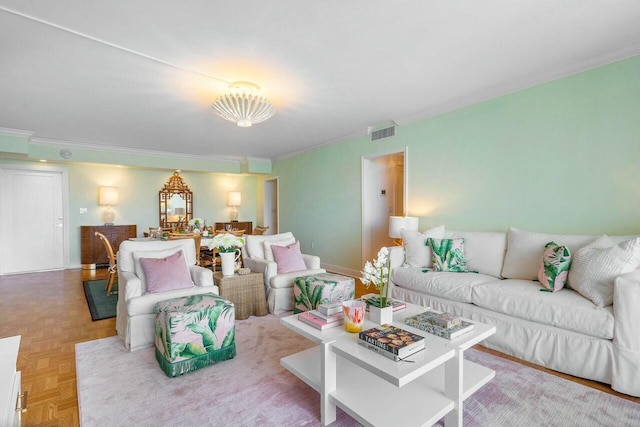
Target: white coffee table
(378,391)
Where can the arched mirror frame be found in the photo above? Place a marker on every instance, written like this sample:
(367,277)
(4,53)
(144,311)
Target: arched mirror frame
(175,189)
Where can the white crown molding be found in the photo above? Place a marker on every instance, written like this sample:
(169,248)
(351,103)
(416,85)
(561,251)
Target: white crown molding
(16,132)
(132,151)
(512,87)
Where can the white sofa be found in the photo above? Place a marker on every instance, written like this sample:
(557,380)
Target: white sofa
(562,330)
(257,256)
(135,311)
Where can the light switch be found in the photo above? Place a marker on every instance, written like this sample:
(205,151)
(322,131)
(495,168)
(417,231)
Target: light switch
(83,210)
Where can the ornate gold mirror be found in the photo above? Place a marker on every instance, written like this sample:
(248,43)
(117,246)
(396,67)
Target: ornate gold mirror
(176,203)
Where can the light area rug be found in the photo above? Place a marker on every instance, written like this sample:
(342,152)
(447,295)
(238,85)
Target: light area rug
(121,388)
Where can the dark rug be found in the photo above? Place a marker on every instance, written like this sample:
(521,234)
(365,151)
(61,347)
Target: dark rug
(101,306)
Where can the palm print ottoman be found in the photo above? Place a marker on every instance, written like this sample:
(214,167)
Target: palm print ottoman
(309,291)
(193,332)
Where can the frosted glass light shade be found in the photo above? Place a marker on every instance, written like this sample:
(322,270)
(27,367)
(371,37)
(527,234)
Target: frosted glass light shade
(108,196)
(398,223)
(242,105)
(234,198)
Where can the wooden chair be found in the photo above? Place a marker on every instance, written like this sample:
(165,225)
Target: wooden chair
(196,240)
(113,269)
(259,230)
(238,233)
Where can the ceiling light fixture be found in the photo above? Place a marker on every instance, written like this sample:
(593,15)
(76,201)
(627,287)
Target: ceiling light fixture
(242,105)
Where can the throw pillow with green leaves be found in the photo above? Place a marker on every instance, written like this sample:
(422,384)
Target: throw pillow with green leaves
(448,255)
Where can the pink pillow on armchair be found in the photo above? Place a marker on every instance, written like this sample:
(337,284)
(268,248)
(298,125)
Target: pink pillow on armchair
(289,258)
(166,274)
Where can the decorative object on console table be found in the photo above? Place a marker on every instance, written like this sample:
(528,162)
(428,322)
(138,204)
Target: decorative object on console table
(391,341)
(246,292)
(399,223)
(235,225)
(425,322)
(92,251)
(234,200)
(108,196)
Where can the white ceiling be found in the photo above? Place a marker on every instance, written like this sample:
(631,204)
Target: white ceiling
(142,74)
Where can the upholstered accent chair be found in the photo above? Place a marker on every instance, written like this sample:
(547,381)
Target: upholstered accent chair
(139,292)
(258,255)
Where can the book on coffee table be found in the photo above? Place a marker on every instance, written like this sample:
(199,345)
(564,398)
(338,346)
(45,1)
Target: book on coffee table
(374,299)
(425,322)
(317,322)
(391,341)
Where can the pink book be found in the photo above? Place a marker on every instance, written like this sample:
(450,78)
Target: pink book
(316,322)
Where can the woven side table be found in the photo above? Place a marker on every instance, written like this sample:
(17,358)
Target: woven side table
(246,292)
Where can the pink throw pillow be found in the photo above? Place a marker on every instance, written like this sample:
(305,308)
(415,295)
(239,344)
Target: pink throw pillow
(289,258)
(166,274)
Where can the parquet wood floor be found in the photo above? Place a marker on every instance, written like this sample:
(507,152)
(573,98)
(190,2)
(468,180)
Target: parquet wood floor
(50,312)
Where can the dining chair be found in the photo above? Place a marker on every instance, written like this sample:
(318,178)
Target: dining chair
(112,262)
(259,230)
(197,237)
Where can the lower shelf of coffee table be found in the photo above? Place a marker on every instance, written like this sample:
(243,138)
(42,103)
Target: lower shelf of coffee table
(421,402)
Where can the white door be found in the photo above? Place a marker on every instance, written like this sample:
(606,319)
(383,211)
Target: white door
(31,220)
(383,177)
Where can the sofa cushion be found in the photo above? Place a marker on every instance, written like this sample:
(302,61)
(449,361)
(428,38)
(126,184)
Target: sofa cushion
(596,266)
(288,258)
(524,250)
(163,253)
(255,243)
(268,253)
(416,251)
(448,255)
(483,251)
(166,274)
(554,267)
(565,309)
(454,286)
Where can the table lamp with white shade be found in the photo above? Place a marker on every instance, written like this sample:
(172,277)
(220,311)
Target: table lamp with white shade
(234,199)
(399,223)
(108,196)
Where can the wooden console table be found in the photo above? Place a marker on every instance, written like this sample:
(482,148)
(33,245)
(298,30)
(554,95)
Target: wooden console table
(92,249)
(247,226)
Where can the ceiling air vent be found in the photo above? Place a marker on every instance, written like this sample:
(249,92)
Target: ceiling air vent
(382,133)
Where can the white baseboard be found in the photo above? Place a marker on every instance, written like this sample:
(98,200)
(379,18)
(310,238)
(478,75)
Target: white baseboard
(340,270)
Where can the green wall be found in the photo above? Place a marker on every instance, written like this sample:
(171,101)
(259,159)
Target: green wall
(561,157)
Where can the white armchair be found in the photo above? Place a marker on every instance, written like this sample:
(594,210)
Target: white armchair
(257,255)
(135,310)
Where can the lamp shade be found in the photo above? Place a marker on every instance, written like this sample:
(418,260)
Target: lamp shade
(108,196)
(399,223)
(234,198)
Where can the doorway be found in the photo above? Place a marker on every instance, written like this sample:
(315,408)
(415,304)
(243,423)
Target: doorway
(384,194)
(270,208)
(33,219)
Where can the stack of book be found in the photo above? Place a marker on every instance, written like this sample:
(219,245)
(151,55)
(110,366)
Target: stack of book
(374,299)
(391,341)
(444,325)
(325,316)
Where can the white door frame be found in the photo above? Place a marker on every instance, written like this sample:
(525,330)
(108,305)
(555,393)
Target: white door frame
(65,202)
(365,170)
(267,206)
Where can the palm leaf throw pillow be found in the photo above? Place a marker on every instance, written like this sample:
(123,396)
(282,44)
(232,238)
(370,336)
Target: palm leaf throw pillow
(448,255)
(554,267)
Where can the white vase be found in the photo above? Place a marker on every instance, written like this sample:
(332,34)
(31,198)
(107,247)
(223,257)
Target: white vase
(228,263)
(381,316)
